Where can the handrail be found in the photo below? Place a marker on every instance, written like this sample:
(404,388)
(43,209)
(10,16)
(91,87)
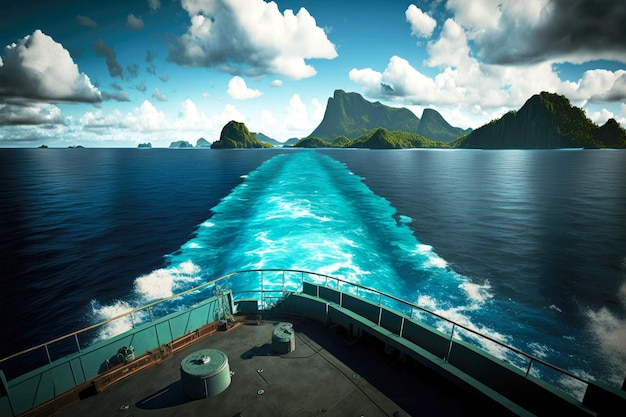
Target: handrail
(381,294)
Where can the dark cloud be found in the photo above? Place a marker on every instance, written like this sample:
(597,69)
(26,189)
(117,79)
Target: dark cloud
(133,70)
(13,115)
(133,22)
(101,49)
(86,21)
(116,95)
(573,30)
(141,87)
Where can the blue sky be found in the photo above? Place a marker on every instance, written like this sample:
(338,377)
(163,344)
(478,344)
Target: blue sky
(120,73)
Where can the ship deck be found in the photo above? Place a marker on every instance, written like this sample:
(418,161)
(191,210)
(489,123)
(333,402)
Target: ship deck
(328,373)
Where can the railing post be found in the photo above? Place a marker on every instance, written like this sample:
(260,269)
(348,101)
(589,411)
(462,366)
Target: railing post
(77,343)
(450,345)
(262,290)
(530,363)
(48,353)
(132,320)
(401,327)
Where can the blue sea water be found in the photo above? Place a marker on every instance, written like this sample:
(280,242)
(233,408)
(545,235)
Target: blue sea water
(526,246)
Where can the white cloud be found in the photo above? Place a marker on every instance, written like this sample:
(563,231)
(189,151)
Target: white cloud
(238,90)
(145,118)
(250,36)
(38,69)
(190,118)
(299,121)
(451,49)
(422,25)
(268,122)
(134,22)
(230,113)
(276,83)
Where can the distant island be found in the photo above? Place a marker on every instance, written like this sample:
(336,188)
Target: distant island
(545,121)
(147,145)
(236,135)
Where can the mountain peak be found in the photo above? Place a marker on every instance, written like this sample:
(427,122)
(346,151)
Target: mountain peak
(236,135)
(545,121)
(434,126)
(350,115)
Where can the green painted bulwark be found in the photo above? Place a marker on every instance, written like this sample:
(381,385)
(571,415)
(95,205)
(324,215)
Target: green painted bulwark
(47,382)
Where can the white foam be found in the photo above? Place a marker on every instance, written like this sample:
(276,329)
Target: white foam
(161,283)
(476,292)
(432,259)
(115,327)
(405,219)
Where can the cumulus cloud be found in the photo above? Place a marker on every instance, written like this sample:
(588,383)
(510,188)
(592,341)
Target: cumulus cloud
(299,120)
(38,69)
(34,114)
(251,37)
(276,83)
(513,32)
(422,25)
(145,118)
(238,90)
(86,21)
(103,50)
(133,22)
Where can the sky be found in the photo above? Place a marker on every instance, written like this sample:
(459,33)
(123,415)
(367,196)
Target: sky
(119,73)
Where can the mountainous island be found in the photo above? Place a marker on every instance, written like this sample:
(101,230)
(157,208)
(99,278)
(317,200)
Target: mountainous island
(236,135)
(545,121)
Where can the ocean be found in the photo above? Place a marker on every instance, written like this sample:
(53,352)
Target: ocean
(526,246)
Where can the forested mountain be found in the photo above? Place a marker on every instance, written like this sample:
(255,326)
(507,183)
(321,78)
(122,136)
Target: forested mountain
(377,138)
(434,126)
(236,135)
(545,121)
(350,115)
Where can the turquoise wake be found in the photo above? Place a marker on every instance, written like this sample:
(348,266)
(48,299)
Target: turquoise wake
(306,211)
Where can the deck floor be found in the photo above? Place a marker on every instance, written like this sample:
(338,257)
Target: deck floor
(327,374)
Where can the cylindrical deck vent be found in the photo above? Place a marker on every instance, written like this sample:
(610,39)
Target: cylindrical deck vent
(283,338)
(205,373)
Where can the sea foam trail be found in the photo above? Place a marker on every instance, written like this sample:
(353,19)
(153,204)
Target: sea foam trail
(302,211)
(307,211)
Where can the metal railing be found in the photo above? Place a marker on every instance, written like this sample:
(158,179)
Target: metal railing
(270,291)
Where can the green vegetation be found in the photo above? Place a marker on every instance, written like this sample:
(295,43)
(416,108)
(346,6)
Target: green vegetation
(350,115)
(434,126)
(378,138)
(236,135)
(545,121)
